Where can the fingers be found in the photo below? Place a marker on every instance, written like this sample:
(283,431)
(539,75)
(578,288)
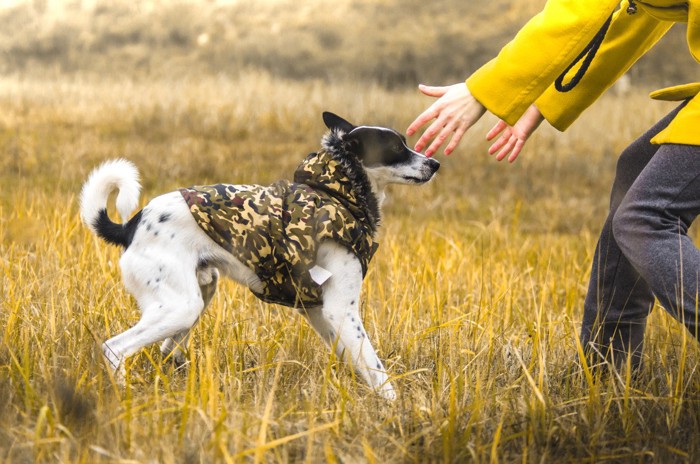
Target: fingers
(498,144)
(441,130)
(497,129)
(429,133)
(512,139)
(459,132)
(431,113)
(455,111)
(433,91)
(507,148)
(509,145)
(516,150)
(422,119)
(439,140)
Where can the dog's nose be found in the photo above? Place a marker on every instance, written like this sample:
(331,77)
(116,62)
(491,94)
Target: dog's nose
(433,164)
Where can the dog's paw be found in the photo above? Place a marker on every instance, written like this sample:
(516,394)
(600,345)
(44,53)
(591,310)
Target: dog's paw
(115,364)
(387,391)
(178,358)
(171,351)
(177,361)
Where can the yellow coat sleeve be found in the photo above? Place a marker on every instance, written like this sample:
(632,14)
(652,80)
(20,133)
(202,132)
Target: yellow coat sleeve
(629,37)
(544,47)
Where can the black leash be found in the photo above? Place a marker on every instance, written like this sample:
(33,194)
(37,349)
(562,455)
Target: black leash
(588,54)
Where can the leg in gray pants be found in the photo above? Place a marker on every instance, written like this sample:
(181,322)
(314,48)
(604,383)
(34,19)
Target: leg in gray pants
(644,250)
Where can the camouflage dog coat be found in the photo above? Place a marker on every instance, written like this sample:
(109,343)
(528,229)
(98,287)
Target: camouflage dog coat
(276,230)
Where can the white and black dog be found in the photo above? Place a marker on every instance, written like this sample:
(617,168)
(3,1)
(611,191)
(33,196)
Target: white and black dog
(176,246)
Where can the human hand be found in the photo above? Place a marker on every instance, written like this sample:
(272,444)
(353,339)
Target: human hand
(513,138)
(455,111)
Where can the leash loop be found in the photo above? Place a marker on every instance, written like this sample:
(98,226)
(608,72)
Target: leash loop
(588,54)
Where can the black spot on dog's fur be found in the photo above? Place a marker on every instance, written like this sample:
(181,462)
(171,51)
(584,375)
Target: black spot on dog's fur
(164,217)
(352,302)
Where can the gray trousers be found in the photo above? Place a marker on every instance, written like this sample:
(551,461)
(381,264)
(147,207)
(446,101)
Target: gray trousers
(644,249)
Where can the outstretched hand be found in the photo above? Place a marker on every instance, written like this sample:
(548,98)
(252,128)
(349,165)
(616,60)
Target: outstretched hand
(455,111)
(514,137)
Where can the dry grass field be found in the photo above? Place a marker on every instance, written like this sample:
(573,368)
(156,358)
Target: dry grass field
(474,298)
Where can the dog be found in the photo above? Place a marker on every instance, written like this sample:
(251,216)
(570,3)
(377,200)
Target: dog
(304,244)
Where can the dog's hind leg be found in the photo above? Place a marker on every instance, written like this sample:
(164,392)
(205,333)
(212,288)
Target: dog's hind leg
(174,347)
(207,278)
(338,322)
(168,294)
(160,320)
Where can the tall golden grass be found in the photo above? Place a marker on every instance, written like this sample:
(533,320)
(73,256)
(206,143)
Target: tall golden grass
(474,298)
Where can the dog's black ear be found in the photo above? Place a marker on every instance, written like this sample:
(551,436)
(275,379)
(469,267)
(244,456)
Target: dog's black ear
(352,143)
(333,121)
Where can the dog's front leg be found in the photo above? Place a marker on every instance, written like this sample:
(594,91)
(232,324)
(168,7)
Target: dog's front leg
(338,321)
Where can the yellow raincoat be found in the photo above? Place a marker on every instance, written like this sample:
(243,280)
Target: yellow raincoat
(524,71)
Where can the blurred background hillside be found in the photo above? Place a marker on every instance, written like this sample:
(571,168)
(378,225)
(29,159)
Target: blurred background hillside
(390,42)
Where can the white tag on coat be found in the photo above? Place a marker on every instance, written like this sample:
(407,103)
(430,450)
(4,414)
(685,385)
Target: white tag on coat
(319,274)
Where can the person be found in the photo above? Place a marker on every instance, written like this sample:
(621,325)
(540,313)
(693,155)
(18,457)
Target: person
(557,65)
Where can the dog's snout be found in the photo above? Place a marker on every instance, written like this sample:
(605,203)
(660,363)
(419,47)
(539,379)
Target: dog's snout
(433,164)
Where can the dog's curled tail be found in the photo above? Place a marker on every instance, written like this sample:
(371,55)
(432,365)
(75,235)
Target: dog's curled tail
(121,175)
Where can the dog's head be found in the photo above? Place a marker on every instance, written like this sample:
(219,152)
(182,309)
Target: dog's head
(383,152)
